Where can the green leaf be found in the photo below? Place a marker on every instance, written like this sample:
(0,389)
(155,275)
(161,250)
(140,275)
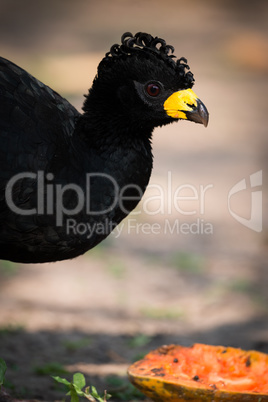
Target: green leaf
(62,380)
(79,380)
(94,391)
(3,368)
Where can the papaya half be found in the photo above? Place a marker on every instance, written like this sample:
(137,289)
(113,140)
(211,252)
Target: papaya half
(202,373)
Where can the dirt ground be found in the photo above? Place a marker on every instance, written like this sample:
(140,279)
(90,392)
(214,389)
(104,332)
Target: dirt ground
(181,271)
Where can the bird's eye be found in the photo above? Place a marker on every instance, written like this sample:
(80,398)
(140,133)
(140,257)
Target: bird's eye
(153,89)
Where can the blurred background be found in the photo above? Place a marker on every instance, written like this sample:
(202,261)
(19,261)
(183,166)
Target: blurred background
(201,274)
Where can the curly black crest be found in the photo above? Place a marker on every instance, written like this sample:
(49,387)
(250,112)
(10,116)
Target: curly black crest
(130,44)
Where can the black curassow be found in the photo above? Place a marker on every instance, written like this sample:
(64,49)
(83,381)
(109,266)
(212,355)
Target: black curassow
(61,169)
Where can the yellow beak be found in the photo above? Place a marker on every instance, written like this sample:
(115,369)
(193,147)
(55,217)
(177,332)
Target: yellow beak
(186,105)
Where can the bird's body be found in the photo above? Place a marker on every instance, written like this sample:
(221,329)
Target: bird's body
(60,169)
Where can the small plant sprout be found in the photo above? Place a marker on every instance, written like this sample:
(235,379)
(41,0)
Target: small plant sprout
(75,389)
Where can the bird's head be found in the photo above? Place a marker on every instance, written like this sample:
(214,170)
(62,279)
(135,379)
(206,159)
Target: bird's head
(141,81)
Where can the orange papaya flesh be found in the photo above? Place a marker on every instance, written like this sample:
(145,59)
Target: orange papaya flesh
(202,373)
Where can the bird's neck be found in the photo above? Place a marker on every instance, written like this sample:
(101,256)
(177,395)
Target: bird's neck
(114,139)
(121,153)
